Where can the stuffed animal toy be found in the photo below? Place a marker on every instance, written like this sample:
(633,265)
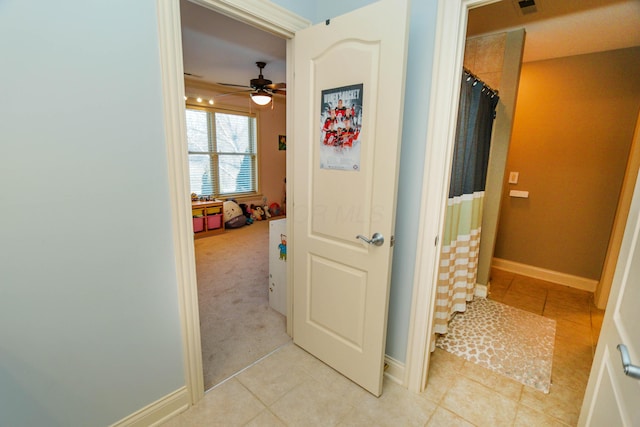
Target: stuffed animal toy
(274,208)
(232,215)
(258,213)
(267,215)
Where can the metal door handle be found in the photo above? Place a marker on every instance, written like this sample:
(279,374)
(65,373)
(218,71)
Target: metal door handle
(377,239)
(630,370)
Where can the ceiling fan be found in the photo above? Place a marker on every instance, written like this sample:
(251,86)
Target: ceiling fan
(262,89)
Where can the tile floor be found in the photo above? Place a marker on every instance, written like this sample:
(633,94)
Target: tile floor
(292,388)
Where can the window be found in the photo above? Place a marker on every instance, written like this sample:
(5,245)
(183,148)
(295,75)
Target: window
(222,152)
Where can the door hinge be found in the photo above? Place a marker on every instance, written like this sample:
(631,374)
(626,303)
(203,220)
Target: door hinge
(393,241)
(436,241)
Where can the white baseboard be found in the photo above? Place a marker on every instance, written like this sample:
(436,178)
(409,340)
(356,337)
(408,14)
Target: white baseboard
(481,291)
(159,411)
(544,274)
(394,370)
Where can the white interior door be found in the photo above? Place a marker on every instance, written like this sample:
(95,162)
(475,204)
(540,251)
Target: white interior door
(345,173)
(613,398)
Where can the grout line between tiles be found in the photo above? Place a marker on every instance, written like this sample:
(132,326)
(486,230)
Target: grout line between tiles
(247,367)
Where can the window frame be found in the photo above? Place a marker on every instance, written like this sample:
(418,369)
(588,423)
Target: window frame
(214,153)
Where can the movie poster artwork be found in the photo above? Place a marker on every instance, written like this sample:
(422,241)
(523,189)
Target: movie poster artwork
(341,122)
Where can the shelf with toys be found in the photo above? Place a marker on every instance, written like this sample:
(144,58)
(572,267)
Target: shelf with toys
(207,218)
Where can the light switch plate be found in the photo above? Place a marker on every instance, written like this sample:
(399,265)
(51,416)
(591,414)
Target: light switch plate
(513,177)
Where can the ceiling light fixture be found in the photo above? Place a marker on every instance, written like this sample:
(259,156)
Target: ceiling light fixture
(261,97)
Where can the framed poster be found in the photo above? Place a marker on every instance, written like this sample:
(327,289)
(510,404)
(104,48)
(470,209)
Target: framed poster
(341,122)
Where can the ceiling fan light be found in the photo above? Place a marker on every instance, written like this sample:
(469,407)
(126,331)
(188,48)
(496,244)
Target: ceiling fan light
(261,97)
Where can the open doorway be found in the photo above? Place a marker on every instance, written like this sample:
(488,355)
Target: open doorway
(237,324)
(567,317)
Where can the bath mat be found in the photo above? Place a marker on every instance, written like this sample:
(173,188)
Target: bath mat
(506,340)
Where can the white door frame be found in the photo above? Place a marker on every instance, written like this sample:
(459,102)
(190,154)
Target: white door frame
(267,17)
(449,50)
(451,29)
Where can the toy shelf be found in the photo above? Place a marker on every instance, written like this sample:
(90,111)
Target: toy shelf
(207,218)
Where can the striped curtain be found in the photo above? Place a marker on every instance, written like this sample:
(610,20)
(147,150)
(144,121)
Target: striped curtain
(458,266)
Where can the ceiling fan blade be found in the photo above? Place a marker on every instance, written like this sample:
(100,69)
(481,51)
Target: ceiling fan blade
(234,93)
(279,91)
(234,85)
(274,86)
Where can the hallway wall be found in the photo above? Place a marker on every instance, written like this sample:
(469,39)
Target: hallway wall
(574,124)
(89,322)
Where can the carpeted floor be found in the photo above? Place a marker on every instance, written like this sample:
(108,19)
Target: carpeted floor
(237,326)
(507,340)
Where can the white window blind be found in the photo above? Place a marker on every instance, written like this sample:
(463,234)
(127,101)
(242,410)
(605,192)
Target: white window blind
(222,152)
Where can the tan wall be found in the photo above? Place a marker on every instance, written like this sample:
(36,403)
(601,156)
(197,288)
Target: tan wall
(574,124)
(272,122)
(497,60)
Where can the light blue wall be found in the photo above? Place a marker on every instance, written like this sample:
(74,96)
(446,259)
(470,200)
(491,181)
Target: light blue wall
(416,111)
(414,134)
(318,11)
(89,323)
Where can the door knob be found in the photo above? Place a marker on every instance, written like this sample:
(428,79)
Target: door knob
(630,370)
(377,239)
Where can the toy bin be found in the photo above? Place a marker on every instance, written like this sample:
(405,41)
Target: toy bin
(198,224)
(214,210)
(214,221)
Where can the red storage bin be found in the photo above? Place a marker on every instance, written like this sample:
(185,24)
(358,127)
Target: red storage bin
(198,224)
(214,221)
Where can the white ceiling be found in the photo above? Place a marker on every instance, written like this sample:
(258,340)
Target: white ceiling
(219,49)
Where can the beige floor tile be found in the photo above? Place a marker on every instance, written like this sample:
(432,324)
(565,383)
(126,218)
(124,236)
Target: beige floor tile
(357,418)
(311,404)
(501,274)
(228,404)
(444,362)
(528,286)
(507,387)
(273,377)
(442,417)
(397,407)
(529,303)
(335,382)
(265,419)
(579,354)
(479,404)
(437,386)
(568,374)
(500,283)
(441,366)
(568,297)
(572,332)
(570,314)
(563,403)
(497,295)
(527,417)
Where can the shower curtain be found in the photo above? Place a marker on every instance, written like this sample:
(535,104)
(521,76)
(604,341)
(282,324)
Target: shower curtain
(457,270)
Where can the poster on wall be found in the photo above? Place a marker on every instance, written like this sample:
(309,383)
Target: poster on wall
(341,121)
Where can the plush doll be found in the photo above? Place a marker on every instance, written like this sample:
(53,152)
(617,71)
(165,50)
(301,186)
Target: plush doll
(274,208)
(232,215)
(258,213)
(267,215)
